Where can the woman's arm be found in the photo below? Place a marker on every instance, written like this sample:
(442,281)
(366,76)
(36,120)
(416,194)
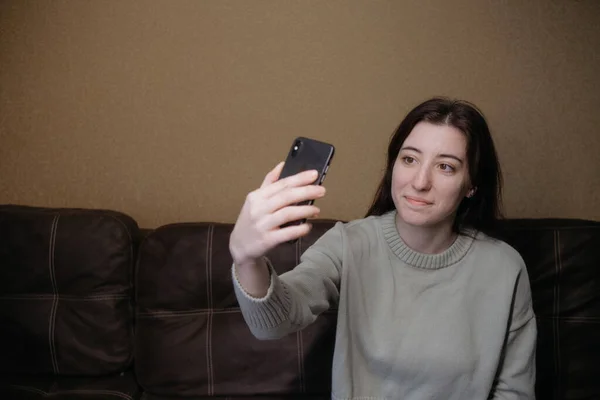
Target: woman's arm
(516,375)
(296,298)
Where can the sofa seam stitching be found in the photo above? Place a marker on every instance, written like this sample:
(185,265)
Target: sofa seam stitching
(29,389)
(204,311)
(556,323)
(64,297)
(210,313)
(558,280)
(55,297)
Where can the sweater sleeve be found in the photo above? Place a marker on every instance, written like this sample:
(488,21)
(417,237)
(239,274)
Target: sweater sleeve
(296,298)
(516,377)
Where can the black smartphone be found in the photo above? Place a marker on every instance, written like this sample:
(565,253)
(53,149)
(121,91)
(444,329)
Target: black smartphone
(307,154)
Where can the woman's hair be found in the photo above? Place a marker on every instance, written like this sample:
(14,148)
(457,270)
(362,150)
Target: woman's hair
(483,209)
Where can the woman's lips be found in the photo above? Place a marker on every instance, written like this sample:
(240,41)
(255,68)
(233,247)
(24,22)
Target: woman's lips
(416,201)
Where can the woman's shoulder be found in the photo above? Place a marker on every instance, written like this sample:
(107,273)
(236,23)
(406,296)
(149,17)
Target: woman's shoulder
(499,251)
(355,233)
(361,223)
(357,227)
(351,235)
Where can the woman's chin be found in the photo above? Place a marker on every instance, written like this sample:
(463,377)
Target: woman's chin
(412,218)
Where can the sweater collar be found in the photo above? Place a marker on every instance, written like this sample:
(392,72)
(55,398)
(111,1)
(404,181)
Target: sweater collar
(450,256)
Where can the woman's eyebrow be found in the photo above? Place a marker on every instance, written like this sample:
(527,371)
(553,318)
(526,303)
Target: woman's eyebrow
(411,148)
(444,155)
(451,156)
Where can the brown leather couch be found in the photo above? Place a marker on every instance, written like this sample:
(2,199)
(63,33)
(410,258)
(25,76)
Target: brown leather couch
(93,307)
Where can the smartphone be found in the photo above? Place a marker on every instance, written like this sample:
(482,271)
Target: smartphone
(307,154)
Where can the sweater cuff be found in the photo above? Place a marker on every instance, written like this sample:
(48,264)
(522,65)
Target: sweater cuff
(266,312)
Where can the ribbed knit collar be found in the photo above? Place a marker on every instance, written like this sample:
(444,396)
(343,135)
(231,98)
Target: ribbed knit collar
(451,255)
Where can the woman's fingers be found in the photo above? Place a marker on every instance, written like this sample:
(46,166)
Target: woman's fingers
(273,175)
(288,214)
(304,178)
(293,196)
(289,233)
(260,207)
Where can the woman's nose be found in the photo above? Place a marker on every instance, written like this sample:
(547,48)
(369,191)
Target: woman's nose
(422,179)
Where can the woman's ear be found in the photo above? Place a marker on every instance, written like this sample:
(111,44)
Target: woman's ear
(471,192)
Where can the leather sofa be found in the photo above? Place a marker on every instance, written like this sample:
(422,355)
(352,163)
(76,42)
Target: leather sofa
(94,307)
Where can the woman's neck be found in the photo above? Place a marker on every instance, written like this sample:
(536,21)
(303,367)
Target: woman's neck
(427,240)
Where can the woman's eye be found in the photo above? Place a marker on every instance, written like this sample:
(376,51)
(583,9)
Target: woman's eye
(446,167)
(408,160)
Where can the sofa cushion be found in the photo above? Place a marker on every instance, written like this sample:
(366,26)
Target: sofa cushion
(116,387)
(563,261)
(191,339)
(65,290)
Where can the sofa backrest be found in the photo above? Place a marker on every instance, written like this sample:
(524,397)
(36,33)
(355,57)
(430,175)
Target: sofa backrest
(66,306)
(191,339)
(66,290)
(563,261)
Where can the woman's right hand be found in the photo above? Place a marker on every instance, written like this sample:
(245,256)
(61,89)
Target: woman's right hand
(258,227)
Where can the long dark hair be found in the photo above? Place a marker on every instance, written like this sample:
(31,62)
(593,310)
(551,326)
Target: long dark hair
(483,209)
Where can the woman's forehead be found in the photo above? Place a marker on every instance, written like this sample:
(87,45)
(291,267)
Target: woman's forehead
(432,138)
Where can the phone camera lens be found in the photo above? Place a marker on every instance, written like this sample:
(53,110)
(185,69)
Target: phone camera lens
(296,148)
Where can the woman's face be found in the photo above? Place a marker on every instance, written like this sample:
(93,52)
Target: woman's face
(430,176)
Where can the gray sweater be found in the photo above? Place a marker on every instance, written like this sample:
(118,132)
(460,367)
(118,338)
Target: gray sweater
(411,326)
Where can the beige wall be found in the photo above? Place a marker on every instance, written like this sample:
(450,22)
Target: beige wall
(173,110)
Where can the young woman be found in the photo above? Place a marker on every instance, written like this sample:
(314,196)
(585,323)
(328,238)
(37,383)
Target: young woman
(430,305)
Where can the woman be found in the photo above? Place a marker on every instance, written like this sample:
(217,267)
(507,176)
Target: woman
(430,305)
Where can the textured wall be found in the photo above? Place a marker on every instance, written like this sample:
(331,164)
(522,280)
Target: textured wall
(173,110)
